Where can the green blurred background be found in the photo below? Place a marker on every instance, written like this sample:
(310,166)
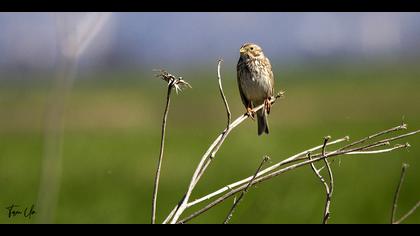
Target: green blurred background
(112,133)
(112,123)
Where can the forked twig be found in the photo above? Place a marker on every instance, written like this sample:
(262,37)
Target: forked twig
(228,114)
(329,190)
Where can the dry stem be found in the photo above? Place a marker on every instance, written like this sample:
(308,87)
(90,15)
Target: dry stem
(302,156)
(236,203)
(328,188)
(162,147)
(329,191)
(396,197)
(264,177)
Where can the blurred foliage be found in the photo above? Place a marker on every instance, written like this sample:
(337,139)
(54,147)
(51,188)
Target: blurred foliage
(111,144)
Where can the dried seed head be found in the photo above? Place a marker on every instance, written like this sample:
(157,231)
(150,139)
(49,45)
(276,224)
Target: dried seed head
(178,83)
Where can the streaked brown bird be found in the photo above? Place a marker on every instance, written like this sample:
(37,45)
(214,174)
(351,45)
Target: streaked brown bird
(255,82)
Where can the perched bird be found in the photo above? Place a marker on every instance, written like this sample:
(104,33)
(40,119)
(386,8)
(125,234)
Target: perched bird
(256,82)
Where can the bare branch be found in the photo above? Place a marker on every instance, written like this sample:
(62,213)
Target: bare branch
(236,203)
(241,187)
(264,177)
(370,146)
(400,127)
(398,146)
(162,146)
(399,137)
(267,170)
(298,157)
(291,167)
(329,190)
(397,193)
(208,157)
(169,217)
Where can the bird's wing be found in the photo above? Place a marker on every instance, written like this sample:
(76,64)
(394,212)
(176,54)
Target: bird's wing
(238,76)
(271,75)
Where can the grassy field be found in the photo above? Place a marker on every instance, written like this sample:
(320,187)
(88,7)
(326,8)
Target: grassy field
(112,134)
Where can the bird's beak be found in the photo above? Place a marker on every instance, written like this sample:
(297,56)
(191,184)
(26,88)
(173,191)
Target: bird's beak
(242,50)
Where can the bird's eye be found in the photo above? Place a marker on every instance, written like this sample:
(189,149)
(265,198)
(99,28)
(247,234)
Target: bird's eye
(252,48)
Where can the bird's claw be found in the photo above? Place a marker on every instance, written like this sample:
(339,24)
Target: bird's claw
(267,105)
(250,113)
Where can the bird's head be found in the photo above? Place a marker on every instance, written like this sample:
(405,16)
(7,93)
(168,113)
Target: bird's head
(250,50)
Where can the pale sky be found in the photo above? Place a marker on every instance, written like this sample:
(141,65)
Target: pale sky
(32,39)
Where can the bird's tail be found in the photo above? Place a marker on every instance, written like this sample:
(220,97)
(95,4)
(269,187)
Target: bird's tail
(262,121)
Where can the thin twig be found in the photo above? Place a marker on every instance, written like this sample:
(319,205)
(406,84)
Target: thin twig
(177,84)
(222,93)
(228,114)
(400,127)
(398,146)
(229,216)
(410,212)
(396,197)
(227,130)
(360,150)
(324,145)
(399,136)
(162,147)
(329,190)
(397,192)
(376,144)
